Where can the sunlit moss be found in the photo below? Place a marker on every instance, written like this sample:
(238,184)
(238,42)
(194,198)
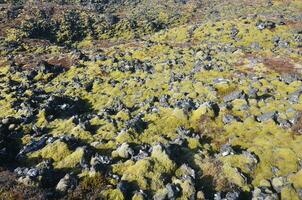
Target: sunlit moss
(57,151)
(113,194)
(72,159)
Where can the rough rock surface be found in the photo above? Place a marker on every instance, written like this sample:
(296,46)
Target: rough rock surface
(151,99)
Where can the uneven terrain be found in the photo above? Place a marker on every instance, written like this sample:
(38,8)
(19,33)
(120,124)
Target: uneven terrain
(151,99)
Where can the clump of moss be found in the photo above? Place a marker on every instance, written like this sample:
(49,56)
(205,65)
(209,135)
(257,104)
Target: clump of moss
(71,160)
(56,151)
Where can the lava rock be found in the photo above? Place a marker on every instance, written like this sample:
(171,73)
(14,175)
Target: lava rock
(234,95)
(173,191)
(187,172)
(289,78)
(33,146)
(137,124)
(46,67)
(227,118)
(226,149)
(264,193)
(99,162)
(294,96)
(63,107)
(266,116)
(125,187)
(265,25)
(186,104)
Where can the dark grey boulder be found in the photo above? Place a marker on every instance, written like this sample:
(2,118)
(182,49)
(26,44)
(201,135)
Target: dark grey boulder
(266,116)
(239,94)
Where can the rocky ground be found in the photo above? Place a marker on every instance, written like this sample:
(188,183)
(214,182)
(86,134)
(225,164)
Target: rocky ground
(151,99)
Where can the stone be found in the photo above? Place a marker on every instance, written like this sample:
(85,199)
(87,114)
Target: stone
(233,195)
(267,116)
(227,118)
(289,77)
(226,149)
(233,95)
(252,93)
(186,104)
(173,191)
(137,124)
(32,173)
(99,162)
(265,25)
(33,146)
(263,193)
(234,31)
(294,96)
(186,172)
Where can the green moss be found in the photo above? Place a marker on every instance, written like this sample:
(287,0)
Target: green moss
(147,172)
(164,163)
(113,194)
(71,160)
(57,151)
(275,147)
(296,179)
(140,172)
(288,193)
(165,122)
(187,188)
(233,175)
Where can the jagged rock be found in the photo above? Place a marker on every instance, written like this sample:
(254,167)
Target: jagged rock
(33,146)
(46,67)
(234,31)
(125,187)
(32,173)
(289,78)
(186,172)
(183,131)
(264,193)
(137,124)
(234,95)
(164,100)
(99,162)
(294,96)
(283,122)
(172,191)
(266,116)
(63,106)
(265,24)
(226,119)
(226,149)
(233,195)
(186,104)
